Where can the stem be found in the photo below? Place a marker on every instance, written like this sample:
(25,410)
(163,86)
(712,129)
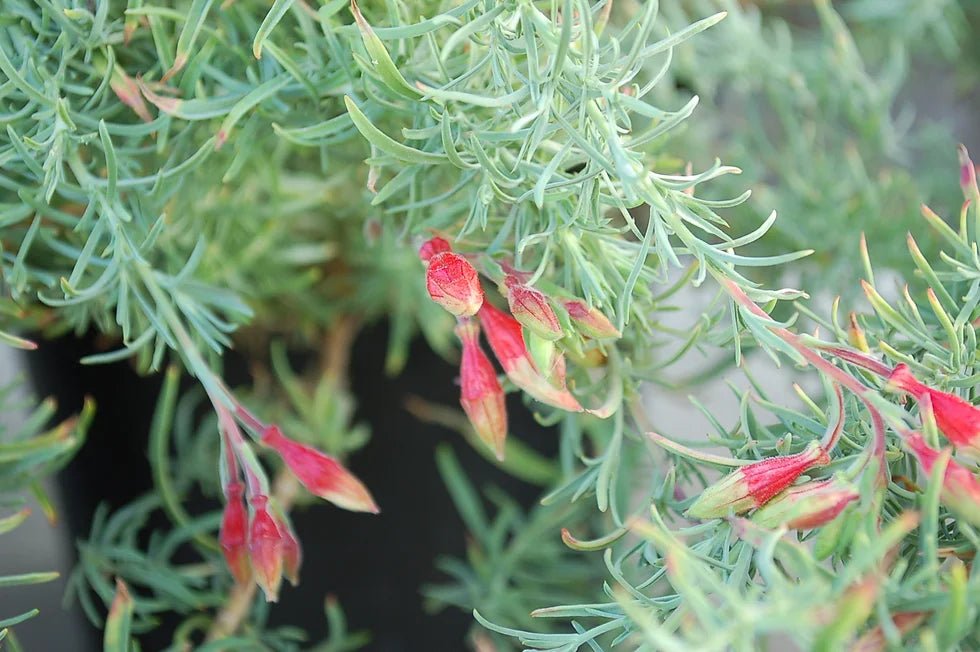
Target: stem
(866,396)
(856,358)
(254,475)
(832,436)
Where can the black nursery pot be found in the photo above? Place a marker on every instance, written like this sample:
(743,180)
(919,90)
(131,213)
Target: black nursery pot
(374,565)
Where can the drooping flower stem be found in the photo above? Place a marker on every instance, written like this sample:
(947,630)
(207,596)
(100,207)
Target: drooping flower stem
(859,389)
(286,487)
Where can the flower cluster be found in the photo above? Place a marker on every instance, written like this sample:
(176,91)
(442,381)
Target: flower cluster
(523,341)
(955,417)
(256,537)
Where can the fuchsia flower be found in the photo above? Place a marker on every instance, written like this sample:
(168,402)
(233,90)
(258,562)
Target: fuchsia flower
(265,548)
(956,418)
(591,322)
(453,283)
(321,474)
(808,505)
(233,535)
(753,485)
(507,342)
(532,308)
(960,491)
(482,397)
(431,247)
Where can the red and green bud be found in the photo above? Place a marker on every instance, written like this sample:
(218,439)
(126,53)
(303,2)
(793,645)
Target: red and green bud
(874,640)
(533,309)
(855,334)
(807,506)
(129,93)
(433,246)
(265,548)
(453,283)
(321,474)
(755,484)
(506,338)
(956,418)
(968,174)
(482,397)
(960,491)
(590,321)
(233,535)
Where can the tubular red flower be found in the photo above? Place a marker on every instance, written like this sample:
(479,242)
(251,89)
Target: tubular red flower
(504,335)
(753,485)
(233,535)
(506,339)
(806,506)
(532,308)
(960,491)
(955,417)
(321,474)
(265,548)
(482,397)
(453,283)
(433,246)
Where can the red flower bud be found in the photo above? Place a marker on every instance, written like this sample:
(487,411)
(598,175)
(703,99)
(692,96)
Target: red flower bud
(507,342)
(233,535)
(292,554)
(321,474)
(960,491)
(482,397)
(453,283)
(956,418)
(532,309)
(807,506)
(265,548)
(753,485)
(431,247)
(590,322)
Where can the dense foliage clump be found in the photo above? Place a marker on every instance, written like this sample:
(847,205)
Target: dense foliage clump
(547,177)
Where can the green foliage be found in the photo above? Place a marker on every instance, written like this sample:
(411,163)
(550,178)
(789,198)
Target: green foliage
(825,118)
(29,453)
(172,172)
(514,561)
